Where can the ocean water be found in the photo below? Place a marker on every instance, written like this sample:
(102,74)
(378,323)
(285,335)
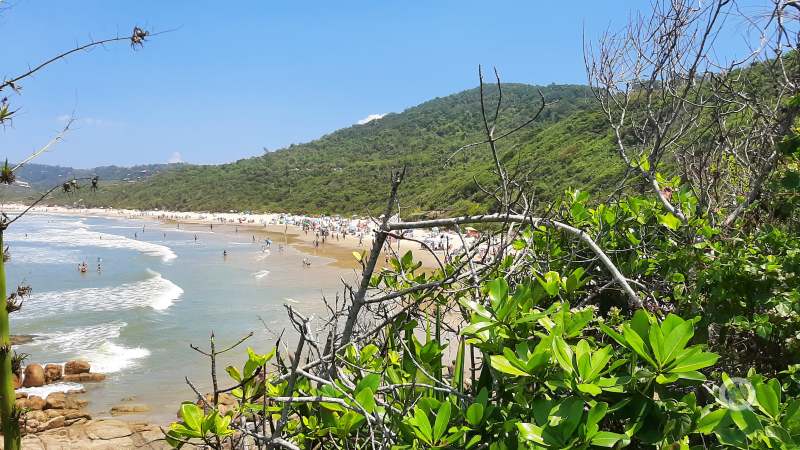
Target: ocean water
(158,291)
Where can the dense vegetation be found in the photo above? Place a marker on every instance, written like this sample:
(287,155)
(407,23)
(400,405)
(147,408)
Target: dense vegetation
(568,145)
(664,316)
(42,176)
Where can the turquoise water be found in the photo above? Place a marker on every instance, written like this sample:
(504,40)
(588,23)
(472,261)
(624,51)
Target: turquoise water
(158,291)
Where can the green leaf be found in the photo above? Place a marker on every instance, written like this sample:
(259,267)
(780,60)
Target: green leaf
(370,381)
(192,415)
(613,334)
(366,398)
(606,439)
(498,290)
(474,440)
(656,340)
(768,400)
(233,372)
(745,419)
(677,339)
(562,353)
(693,359)
(596,413)
(423,425)
(442,420)
(583,357)
(709,421)
(600,359)
(670,221)
(530,432)
(474,414)
(571,413)
(588,388)
(636,343)
(551,283)
(499,362)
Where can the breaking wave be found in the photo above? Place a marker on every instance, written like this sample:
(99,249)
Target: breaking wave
(155,292)
(95,344)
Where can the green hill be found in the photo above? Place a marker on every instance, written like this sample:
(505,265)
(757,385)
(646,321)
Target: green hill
(347,171)
(42,176)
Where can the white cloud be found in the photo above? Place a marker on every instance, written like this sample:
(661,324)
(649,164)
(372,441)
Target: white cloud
(175,158)
(370,118)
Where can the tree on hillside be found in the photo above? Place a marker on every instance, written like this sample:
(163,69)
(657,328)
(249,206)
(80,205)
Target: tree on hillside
(10,414)
(674,102)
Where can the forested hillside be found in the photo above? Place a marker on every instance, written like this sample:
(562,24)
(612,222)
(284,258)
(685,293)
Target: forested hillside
(42,176)
(347,171)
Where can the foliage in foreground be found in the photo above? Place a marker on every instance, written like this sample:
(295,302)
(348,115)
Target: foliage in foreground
(558,362)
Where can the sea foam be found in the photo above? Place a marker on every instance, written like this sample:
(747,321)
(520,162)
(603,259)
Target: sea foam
(47,389)
(155,292)
(95,344)
(261,274)
(21,254)
(78,235)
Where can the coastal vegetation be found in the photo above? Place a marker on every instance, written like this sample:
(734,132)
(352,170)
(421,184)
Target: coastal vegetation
(663,315)
(12,414)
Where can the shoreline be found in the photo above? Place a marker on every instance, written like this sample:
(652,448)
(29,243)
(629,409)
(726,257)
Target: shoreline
(338,254)
(264,225)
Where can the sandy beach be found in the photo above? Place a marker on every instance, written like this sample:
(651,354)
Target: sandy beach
(266,226)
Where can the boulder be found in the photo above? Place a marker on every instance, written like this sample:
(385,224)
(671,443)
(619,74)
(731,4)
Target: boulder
(35,403)
(75,414)
(55,422)
(76,366)
(31,426)
(40,416)
(108,429)
(60,400)
(129,408)
(34,376)
(52,372)
(83,377)
(56,400)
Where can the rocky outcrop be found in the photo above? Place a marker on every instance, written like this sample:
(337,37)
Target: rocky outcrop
(52,373)
(75,371)
(76,367)
(83,377)
(34,376)
(19,339)
(60,400)
(103,434)
(129,408)
(57,411)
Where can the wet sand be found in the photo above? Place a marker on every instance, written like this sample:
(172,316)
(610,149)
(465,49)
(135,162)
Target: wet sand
(341,250)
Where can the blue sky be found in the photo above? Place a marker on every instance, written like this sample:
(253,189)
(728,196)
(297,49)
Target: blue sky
(239,76)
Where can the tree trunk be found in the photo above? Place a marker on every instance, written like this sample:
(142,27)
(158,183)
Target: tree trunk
(8,413)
